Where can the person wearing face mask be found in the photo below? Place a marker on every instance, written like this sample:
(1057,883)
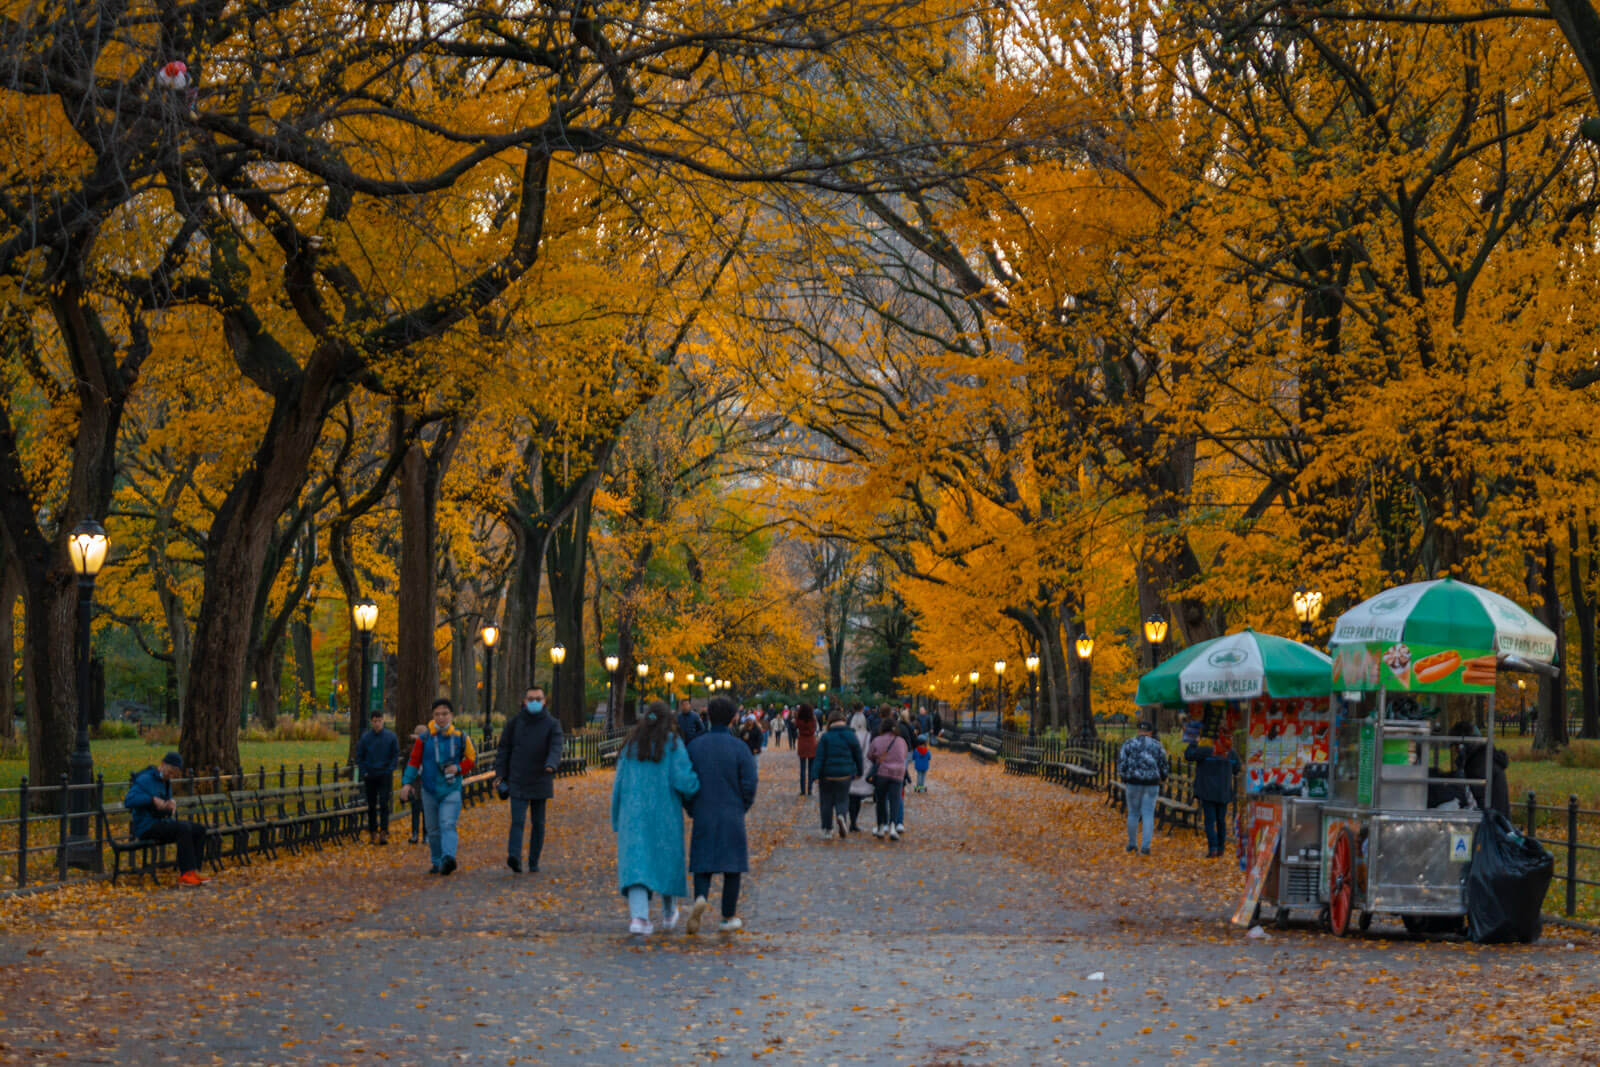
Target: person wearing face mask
(526,761)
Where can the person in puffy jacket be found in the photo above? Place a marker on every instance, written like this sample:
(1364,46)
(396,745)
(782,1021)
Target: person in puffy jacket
(921,760)
(860,788)
(888,755)
(1142,765)
(839,760)
(437,764)
(526,761)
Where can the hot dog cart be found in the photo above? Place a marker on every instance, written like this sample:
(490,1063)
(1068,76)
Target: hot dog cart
(1414,675)
(1276,690)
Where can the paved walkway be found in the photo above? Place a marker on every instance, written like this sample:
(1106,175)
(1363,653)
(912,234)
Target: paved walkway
(971,941)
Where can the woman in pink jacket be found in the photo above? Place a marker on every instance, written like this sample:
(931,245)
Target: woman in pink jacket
(888,753)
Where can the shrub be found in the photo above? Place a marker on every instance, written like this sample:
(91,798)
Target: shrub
(1580,754)
(116,730)
(304,730)
(160,733)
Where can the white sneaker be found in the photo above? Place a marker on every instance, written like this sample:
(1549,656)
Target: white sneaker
(827,835)
(728,926)
(894,834)
(841,824)
(877,831)
(641,927)
(670,922)
(899,827)
(696,913)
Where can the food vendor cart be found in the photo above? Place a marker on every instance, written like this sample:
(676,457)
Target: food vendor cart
(1396,831)
(1277,690)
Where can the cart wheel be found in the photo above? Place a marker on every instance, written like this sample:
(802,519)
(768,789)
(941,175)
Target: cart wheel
(1280,918)
(1412,924)
(1366,921)
(1341,885)
(1322,918)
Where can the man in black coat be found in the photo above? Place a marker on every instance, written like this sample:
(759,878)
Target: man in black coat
(717,844)
(377,755)
(526,761)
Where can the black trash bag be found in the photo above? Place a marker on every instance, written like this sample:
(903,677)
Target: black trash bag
(1506,882)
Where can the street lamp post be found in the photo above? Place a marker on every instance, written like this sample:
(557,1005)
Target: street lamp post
(642,670)
(86,547)
(1032,663)
(672,699)
(972,679)
(612,663)
(489,635)
(1307,608)
(365,614)
(1522,707)
(822,687)
(558,656)
(1084,646)
(1155,632)
(999,694)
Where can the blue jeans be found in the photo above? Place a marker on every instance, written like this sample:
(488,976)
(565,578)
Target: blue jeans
(639,903)
(1216,820)
(1141,806)
(922,780)
(888,801)
(441,814)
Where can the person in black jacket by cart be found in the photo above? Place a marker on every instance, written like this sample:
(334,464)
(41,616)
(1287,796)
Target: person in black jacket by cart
(526,761)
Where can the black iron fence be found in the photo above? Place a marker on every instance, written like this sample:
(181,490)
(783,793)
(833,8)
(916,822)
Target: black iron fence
(60,833)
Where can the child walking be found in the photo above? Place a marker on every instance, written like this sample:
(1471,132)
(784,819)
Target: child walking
(921,759)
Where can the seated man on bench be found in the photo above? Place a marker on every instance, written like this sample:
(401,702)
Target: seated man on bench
(150,804)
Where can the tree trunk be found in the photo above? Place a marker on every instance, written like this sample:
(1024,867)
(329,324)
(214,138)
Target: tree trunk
(1581,579)
(266,669)
(10,593)
(236,554)
(1550,731)
(305,665)
(416,681)
(566,566)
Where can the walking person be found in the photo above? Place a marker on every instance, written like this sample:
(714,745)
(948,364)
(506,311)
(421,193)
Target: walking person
(654,781)
(805,745)
(1142,765)
(377,755)
(717,843)
(526,761)
(689,724)
(888,755)
(152,814)
(417,824)
(791,726)
(1214,775)
(437,764)
(839,760)
(921,760)
(860,788)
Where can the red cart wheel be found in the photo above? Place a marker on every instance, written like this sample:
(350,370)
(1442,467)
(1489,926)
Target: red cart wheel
(1341,884)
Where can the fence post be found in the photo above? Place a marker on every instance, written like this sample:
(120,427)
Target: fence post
(61,841)
(1533,813)
(22,833)
(99,823)
(1572,854)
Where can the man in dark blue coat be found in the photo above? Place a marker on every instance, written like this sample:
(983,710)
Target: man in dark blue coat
(377,755)
(526,761)
(717,845)
(1214,773)
(151,809)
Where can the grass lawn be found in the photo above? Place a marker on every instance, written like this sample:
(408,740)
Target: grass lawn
(120,758)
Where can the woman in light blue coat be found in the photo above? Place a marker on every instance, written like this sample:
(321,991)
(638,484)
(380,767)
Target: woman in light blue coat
(653,783)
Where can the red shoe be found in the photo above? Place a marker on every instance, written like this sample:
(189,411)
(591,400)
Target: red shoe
(192,878)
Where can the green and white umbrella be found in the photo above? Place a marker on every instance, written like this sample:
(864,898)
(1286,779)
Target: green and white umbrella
(1238,667)
(1446,614)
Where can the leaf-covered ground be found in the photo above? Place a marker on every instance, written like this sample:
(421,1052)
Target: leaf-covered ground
(970,941)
